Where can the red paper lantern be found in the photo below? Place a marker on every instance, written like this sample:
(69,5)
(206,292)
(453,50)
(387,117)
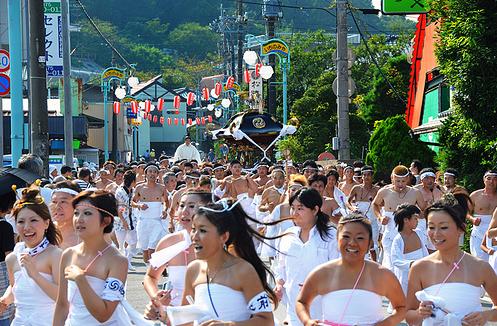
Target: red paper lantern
(230,82)
(190,98)
(190,122)
(257,69)
(177,102)
(246,76)
(203,120)
(149,117)
(160,104)
(134,107)
(197,120)
(182,121)
(161,120)
(218,88)
(209,118)
(169,121)
(148,104)
(176,112)
(205,94)
(155,119)
(117,107)
(175,121)
(144,114)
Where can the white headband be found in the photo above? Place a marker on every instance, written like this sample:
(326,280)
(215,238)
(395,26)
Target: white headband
(427,174)
(65,190)
(449,174)
(225,204)
(218,168)
(490,174)
(401,176)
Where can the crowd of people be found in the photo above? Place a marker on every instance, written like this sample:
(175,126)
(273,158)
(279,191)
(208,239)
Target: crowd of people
(226,243)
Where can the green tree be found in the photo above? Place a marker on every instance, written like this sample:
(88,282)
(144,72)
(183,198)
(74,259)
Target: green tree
(381,102)
(466,52)
(194,40)
(391,144)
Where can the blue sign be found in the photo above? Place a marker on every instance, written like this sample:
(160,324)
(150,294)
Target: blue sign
(4,84)
(130,114)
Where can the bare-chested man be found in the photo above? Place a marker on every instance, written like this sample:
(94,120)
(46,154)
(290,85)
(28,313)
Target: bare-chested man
(239,187)
(386,201)
(104,180)
(485,203)
(450,182)
(262,177)
(150,197)
(430,191)
(361,199)
(330,206)
(348,183)
(118,181)
(140,172)
(272,195)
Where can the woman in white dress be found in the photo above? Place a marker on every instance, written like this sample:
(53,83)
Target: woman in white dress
(175,262)
(352,287)
(33,266)
(445,287)
(308,244)
(409,245)
(227,281)
(92,273)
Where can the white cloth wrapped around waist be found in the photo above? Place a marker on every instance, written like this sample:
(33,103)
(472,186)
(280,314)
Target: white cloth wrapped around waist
(162,256)
(390,230)
(366,208)
(153,211)
(479,230)
(247,204)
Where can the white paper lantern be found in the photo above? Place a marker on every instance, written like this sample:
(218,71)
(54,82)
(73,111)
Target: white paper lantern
(226,103)
(250,57)
(133,81)
(266,72)
(120,92)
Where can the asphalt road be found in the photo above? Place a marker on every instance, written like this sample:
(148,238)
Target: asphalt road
(137,297)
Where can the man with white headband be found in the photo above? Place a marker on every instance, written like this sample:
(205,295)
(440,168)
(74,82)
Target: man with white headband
(484,204)
(361,200)
(386,201)
(62,211)
(450,182)
(348,183)
(152,200)
(429,189)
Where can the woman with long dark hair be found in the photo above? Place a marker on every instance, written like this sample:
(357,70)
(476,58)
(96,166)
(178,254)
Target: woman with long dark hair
(228,281)
(308,244)
(33,266)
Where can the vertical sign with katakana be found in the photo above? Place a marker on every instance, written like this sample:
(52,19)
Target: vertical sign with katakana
(402,7)
(53,38)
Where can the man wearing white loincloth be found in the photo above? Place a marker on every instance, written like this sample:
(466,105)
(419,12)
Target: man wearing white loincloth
(386,202)
(152,199)
(485,203)
(361,200)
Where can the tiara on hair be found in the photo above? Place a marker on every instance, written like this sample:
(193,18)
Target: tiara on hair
(226,206)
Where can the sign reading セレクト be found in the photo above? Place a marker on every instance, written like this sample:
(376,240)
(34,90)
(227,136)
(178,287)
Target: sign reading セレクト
(53,38)
(402,7)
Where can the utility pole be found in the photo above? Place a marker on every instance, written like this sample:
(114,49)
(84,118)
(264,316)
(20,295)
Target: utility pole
(112,86)
(271,13)
(343,82)
(240,21)
(66,56)
(38,111)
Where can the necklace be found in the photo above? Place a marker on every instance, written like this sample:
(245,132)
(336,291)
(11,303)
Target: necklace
(405,194)
(362,192)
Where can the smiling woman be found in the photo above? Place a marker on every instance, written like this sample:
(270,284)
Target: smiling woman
(33,266)
(351,287)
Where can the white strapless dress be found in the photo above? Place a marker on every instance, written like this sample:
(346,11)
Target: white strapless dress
(229,304)
(33,306)
(79,314)
(364,308)
(460,299)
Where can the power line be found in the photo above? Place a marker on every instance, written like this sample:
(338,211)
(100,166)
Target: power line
(375,61)
(290,6)
(103,36)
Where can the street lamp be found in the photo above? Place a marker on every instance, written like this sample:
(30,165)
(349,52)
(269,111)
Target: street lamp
(282,51)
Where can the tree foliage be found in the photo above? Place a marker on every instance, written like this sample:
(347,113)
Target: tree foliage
(194,40)
(391,144)
(467,52)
